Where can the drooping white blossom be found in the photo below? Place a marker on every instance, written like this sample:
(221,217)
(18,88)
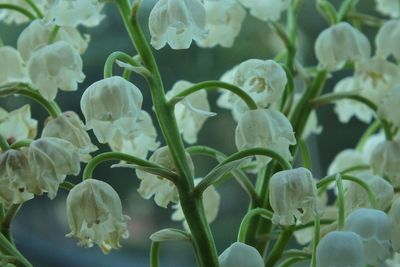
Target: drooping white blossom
(112,106)
(191,112)
(37,35)
(13,67)
(340,248)
(177,22)
(370,144)
(94,213)
(373,227)
(72,13)
(223,20)
(68,126)
(17,124)
(293,194)
(143,141)
(385,160)
(240,255)
(389,108)
(388,7)
(51,159)
(347,159)
(339,43)
(211,201)
(265,128)
(164,191)
(55,66)
(387,38)
(14,171)
(266,10)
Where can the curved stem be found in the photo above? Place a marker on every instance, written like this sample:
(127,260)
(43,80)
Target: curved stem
(154,254)
(215,85)
(370,131)
(25,90)
(6,222)
(21,143)
(53,34)
(317,227)
(94,162)
(291,261)
(67,185)
(247,219)
(39,14)
(9,249)
(340,200)
(332,97)
(112,58)
(279,246)
(19,9)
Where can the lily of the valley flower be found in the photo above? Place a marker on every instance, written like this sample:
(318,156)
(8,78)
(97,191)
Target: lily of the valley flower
(177,22)
(394,215)
(68,126)
(112,106)
(94,213)
(340,248)
(55,66)
(266,10)
(293,194)
(13,67)
(339,43)
(389,106)
(385,160)
(240,255)
(387,39)
(164,191)
(51,159)
(388,7)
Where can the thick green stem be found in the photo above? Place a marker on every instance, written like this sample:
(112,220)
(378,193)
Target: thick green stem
(279,246)
(7,248)
(154,254)
(215,85)
(19,9)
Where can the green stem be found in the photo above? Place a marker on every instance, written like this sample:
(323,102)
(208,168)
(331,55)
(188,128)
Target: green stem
(247,219)
(386,129)
(332,97)
(317,227)
(370,131)
(340,200)
(310,224)
(9,249)
(215,85)
(4,144)
(366,19)
(19,9)
(305,154)
(345,8)
(206,182)
(53,34)
(154,254)
(291,261)
(21,143)
(25,90)
(94,162)
(112,58)
(8,218)
(67,185)
(286,105)
(39,14)
(279,246)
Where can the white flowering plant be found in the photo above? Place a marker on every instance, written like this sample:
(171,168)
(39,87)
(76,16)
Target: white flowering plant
(272,101)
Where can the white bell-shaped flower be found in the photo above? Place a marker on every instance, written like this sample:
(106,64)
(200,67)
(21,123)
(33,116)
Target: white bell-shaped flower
(347,159)
(192,112)
(387,38)
(223,20)
(388,7)
(10,16)
(265,128)
(339,43)
(112,106)
(51,159)
(75,12)
(37,34)
(17,124)
(373,227)
(211,201)
(240,255)
(385,160)
(339,249)
(144,140)
(164,191)
(389,108)
(394,215)
(13,67)
(94,213)
(347,108)
(14,170)
(371,143)
(177,22)
(357,197)
(293,194)
(68,126)
(394,261)
(266,10)
(55,66)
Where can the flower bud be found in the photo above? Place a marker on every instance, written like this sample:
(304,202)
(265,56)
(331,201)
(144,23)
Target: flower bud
(55,66)
(164,191)
(292,194)
(240,255)
(111,105)
(339,43)
(51,159)
(373,227)
(14,170)
(13,67)
(340,248)
(69,127)
(177,22)
(94,213)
